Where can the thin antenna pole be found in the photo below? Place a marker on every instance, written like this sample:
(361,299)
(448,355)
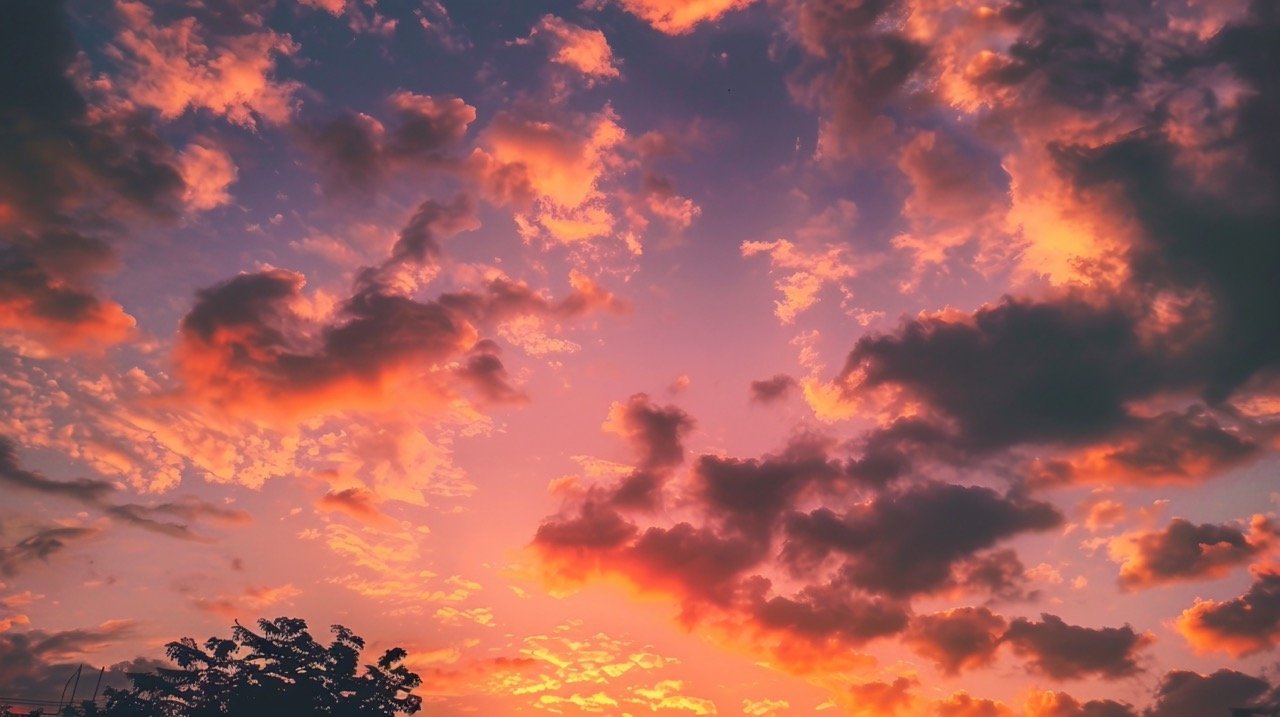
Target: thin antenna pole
(76,686)
(63,696)
(95,687)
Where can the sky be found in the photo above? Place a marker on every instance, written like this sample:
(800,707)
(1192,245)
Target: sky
(651,357)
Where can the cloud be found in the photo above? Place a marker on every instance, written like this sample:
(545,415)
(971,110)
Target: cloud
(803,588)
(857,67)
(773,389)
(164,518)
(656,434)
(246,604)
(207,172)
(1087,364)
(1061,704)
(180,66)
(1182,692)
(38,663)
(958,192)
(830,617)
(1240,626)
(252,343)
(40,546)
(359,503)
(677,17)
(909,541)
(72,174)
(807,272)
(961,704)
(750,495)
(1068,652)
(51,315)
(358,153)
(1186,551)
(558,166)
(959,639)
(581,49)
(172,518)
(873,699)
(81,489)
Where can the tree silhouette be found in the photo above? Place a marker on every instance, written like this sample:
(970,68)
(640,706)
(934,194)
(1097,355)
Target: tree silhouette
(280,670)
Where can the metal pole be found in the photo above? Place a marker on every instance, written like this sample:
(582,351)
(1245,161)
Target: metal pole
(76,686)
(64,692)
(95,687)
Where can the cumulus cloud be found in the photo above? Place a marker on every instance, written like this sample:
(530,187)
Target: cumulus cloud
(805,585)
(1182,692)
(357,153)
(208,172)
(581,49)
(252,343)
(72,172)
(1186,551)
(1066,652)
(1240,626)
(1061,704)
(868,699)
(909,541)
(676,17)
(180,66)
(958,639)
(559,166)
(858,67)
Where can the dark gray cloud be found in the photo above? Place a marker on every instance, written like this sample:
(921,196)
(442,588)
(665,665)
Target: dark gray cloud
(656,435)
(419,240)
(857,71)
(908,541)
(1240,626)
(831,614)
(1182,693)
(774,389)
(37,664)
(1069,652)
(961,639)
(68,178)
(41,546)
(749,495)
(244,346)
(173,518)
(85,490)
(357,153)
(1184,550)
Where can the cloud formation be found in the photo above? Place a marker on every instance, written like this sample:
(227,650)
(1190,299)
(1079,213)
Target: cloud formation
(1064,651)
(1186,551)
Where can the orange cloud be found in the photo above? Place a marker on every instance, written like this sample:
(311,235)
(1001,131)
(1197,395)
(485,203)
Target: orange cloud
(42,315)
(579,48)
(561,166)
(806,272)
(179,67)
(676,17)
(1240,626)
(1186,551)
(207,171)
(248,603)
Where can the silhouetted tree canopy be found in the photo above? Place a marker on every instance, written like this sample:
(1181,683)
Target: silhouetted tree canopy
(280,670)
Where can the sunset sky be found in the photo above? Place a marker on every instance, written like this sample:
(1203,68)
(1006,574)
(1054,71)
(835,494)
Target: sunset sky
(651,357)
